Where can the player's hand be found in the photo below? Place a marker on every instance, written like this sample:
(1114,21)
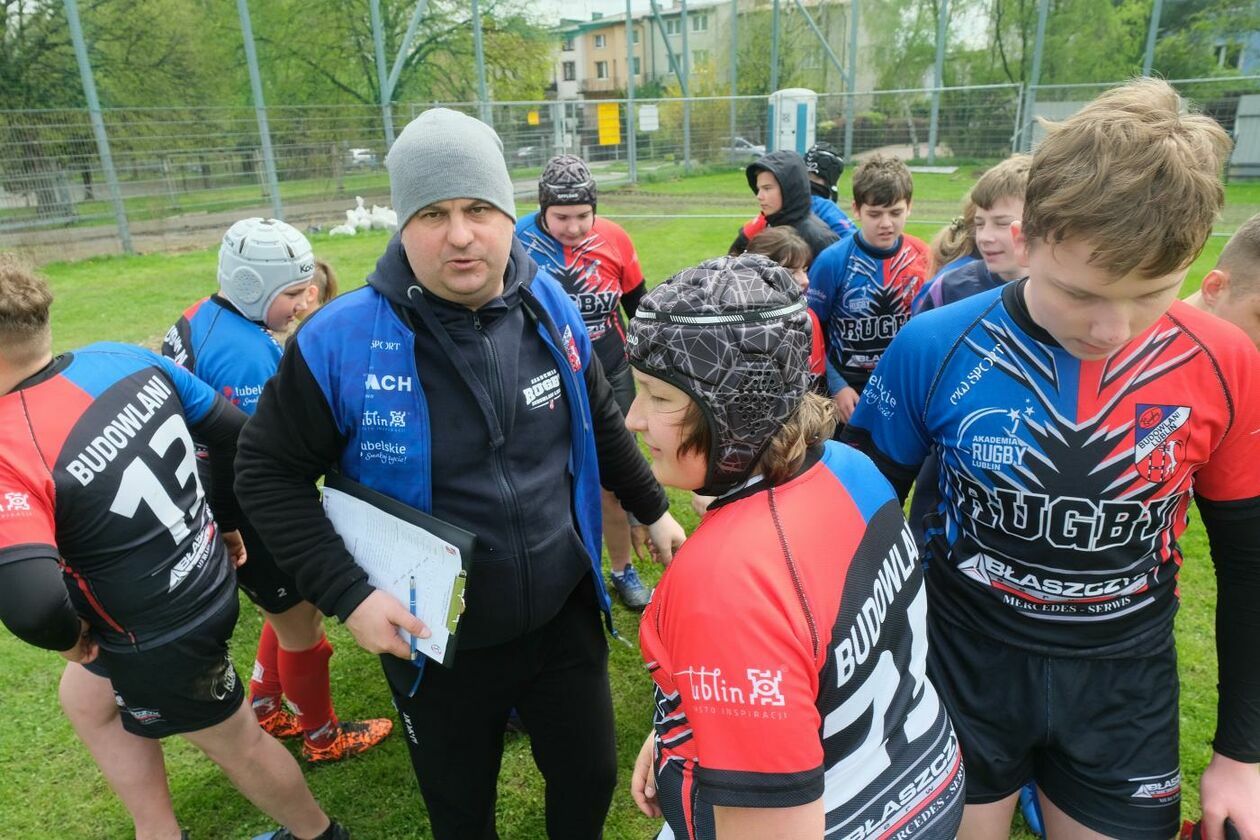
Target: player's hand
(700,504)
(640,542)
(236,548)
(846,401)
(376,622)
(643,781)
(85,650)
(666,536)
(1230,789)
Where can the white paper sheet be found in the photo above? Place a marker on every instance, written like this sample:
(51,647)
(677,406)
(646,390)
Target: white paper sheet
(394,553)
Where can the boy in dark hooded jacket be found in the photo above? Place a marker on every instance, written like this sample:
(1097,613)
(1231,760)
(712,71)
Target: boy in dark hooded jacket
(780,180)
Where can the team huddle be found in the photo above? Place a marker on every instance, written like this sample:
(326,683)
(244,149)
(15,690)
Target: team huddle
(823,664)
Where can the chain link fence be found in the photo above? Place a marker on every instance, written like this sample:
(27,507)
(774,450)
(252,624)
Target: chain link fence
(184,174)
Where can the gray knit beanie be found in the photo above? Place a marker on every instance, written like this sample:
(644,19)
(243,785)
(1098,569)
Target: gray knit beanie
(443,154)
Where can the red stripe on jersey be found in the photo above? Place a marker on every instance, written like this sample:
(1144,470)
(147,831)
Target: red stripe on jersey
(688,797)
(192,310)
(92,601)
(948,780)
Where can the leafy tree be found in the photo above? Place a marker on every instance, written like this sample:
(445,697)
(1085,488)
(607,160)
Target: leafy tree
(335,62)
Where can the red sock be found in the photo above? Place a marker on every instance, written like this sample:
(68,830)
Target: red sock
(264,686)
(304,675)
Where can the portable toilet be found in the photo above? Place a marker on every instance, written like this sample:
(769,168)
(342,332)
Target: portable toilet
(792,115)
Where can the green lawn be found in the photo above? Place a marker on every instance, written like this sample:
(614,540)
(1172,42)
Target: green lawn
(53,789)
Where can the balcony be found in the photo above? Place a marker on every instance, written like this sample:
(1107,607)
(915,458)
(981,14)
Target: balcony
(600,85)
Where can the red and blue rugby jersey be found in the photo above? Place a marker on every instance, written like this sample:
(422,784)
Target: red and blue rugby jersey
(594,275)
(1065,483)
(863,296)
(787,641)
(97,468)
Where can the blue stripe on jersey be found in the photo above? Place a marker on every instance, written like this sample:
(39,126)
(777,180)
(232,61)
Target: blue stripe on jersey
(97,367)
(859,476)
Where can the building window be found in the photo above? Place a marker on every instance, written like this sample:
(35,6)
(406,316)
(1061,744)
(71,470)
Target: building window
(699,23)
(566,45)
(636,36)
(570,71)
(673,26)
(601,69)
(699,57)
(1229,56)
(601,41)
(635,66)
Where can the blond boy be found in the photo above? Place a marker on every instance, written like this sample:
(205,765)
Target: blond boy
(998,199)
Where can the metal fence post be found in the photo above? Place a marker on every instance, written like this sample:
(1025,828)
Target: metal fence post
(686,68)
(774,49)
(942,24)
(822,38)
(1017,137)
(850,109)
(98,125)
(631,146)
(734,68)
(479,48)
(260,108)
(1148,58)
(378,37)
(392,84)
(1030,108)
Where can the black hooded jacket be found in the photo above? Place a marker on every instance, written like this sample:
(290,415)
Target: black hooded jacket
(788,168)
(499,467)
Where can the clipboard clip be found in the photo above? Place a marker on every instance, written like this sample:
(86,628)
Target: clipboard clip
(457,606)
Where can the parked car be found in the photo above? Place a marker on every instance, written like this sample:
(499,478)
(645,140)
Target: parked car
(529,156)
(361,159)
(739,149)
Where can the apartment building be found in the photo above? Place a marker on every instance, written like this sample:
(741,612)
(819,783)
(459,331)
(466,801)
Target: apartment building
(591,60)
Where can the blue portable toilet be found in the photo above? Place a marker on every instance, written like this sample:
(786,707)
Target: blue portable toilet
(793,112)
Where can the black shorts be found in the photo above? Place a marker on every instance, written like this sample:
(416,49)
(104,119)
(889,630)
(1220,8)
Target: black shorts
(183,686)
(622,382)
(1099,736)
(266,584)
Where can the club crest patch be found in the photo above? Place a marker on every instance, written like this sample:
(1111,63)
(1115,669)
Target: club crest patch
(1160,437)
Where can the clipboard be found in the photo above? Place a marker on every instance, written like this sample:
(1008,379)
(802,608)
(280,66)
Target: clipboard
(406,551)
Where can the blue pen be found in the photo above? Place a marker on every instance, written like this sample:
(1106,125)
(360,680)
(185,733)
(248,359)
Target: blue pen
(414,649)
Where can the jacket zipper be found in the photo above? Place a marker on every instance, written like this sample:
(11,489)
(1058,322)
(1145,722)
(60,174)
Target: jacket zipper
(506,490)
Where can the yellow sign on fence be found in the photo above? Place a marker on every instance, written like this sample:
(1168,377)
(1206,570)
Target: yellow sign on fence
(609,124)
(531,118)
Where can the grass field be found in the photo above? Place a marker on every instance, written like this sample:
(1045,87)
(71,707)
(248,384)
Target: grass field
(52,789)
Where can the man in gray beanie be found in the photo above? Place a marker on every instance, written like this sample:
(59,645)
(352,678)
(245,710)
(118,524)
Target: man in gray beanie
(460,380)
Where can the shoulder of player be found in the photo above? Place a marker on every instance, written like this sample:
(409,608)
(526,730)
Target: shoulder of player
(966,273)
(914,243)
(729,551)
(527,222)
(857,476)
(1216,335)
(116,350)
(609,228)
(835,256)
(192,310)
